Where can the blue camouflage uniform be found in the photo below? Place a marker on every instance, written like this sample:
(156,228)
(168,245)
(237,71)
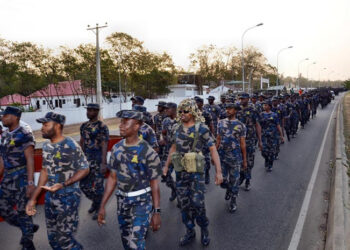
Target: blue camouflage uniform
(62,160)
(94,134)
(231,132)
(269,131)
(147,133)
(135,166)
(14,183)
(215,112)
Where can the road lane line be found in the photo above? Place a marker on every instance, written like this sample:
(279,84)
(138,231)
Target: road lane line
(293,245)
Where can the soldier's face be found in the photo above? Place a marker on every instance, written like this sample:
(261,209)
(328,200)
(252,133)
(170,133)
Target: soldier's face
(223,100)
(244,101)
(266,107)
(186,116)
(211,101)
(128,127)
(92,113)
(231,112)
(253,100)
(48,130)
(200,105)
(8,120)
(160,109)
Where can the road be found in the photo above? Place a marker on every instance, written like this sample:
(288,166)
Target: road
(266,215)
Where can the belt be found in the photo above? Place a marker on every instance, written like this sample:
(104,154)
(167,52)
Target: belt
(135,193)
(12,170)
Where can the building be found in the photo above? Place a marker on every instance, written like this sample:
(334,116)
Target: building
(66,94)
(10,100)
(185,90)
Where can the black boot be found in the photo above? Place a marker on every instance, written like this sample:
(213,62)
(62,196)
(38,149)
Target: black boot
(241,178)
(205,236)
(93,208)
(207,177)
(233,205)
(188,237)
(247,185)
(173,195)
(27,244)
(228,194)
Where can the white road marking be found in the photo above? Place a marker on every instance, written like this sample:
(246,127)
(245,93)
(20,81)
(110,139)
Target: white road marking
(293,245)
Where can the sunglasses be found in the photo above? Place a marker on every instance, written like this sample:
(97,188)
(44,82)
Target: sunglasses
(184,111)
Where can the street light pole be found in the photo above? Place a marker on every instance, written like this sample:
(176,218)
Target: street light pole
(290,47)
(260,24)
(319,77)
(98,66)
(307,75)
(299,71)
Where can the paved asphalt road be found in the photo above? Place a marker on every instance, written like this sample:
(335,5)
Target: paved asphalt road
(265,218)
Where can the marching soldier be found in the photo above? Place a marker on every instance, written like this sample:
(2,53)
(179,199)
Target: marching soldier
(222,107)
(188,140)
(138,100)
(17,168)
(94,136)
(214,110)
(64,165)
(135,168)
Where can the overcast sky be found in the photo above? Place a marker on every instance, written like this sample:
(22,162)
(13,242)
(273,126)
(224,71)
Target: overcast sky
(318,29)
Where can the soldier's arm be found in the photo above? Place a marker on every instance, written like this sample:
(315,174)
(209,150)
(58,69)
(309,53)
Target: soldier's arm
(2,168)
(30,207)
(280,131)
(155,222)
(79,175)
(168,161)
(258,131)
(109,188)
(244,152)
(29,155)
(104,146)
(215,157)
(218,141)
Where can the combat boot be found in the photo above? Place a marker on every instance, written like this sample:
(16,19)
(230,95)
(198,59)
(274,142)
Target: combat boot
(247,185)
(241,178)
(228,194)
(233,205)
(205,236)
(93,208)
(188,237)
(207,177)
(27,245)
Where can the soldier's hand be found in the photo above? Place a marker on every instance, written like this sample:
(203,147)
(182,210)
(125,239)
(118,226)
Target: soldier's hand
(101,217)
(218,179)
(260,146)
(30,189)
(162,142)
(282,139)
(245,165)
(103,168)
(30,208)
(155,222)
(53,188)
(165,171)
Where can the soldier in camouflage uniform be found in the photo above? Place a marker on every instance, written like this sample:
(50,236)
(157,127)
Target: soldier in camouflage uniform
(278,109)
(94,136)
(138,100)
(287,115)
(135,168)
(17,168)
(222,107)
(157,126)
(270,127)
(249,116)
(231,146)
(209,122)
(190,185)
(294,118)
(214,110)
(64,165)
(167,127)
(146,132)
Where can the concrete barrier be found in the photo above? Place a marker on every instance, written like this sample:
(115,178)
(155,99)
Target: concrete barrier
(338,235)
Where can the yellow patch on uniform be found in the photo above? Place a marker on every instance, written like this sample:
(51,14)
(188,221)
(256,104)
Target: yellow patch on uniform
(58,155)
(248,113)
(12,142)
(191,135)
(271,118)
(93,129)
(135,159)
(236,127)
(141,137)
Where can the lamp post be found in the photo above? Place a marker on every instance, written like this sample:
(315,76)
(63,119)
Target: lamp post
(307,75)
(290,47)
(306,59)
(329,81)
(319,77)
(259,24)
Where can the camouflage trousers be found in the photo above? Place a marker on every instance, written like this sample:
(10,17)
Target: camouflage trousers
(13,194)
(190,189)
(134,215)
(231,172)
(250,151)
(61,213)
(294,119)
(206,153)
(269,144)
(92,184)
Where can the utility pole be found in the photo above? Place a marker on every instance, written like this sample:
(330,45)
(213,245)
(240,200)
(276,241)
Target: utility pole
(98,66)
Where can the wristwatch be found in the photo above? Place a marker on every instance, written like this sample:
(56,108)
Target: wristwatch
(30,183)
(156,210)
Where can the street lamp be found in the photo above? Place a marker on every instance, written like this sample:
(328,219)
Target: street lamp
(290,47)
(307,75)
(259,24)
(306,59)
(319,77)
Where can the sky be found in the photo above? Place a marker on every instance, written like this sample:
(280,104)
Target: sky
(317,29)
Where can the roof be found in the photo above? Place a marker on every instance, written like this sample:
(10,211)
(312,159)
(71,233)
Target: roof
(15,98)
(67,88)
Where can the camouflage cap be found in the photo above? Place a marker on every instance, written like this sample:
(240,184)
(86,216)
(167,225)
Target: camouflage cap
(138,99)
(254,96)
(244,95)
(171,105)
(52,117)
(198,99)
(233,105)
(211,97)
(93,106)
(275,98)
(223,96)
(12,111)
(268,102)
(161,104)
(139,108)
(191,106)
(130,114)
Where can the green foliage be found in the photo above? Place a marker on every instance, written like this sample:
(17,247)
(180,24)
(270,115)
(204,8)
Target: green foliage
(347,84)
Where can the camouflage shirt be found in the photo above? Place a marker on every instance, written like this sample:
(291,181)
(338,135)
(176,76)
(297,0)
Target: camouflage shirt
(183,138)
(231,132)
(168,125)
(148,118)
(158,121)
(93,133)
(62,160)
(208,118)
(249,116)
(214,110)
(223,114)
(135,165)
(13,145)
(147,133)
(269,122)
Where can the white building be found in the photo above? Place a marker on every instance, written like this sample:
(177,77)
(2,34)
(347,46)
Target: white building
(185,90)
